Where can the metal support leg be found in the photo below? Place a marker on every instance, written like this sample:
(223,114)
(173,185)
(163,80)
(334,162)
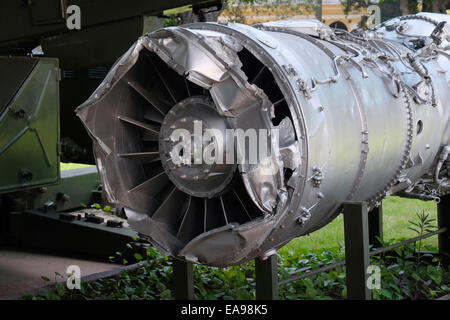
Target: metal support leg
(444,222)
(183,280)
(266,273)
(376,226)
(356,231)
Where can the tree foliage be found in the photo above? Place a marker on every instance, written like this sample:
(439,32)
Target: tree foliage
(439,6)
(282,8)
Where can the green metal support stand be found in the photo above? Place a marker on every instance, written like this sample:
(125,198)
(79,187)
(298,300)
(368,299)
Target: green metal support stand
(266,273)
(361,229)
(444,222)
(183,280)
(376,226)
(356,230)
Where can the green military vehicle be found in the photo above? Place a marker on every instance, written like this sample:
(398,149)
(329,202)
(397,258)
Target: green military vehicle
(48,66)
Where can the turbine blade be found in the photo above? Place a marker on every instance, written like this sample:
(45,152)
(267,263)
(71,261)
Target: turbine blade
(141,156)
(191,225)
(151,187)
(157,105)
(172,208)
(164,81)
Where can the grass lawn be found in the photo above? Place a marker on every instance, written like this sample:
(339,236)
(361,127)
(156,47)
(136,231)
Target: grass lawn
(68,166)
(177,10)
(396,214)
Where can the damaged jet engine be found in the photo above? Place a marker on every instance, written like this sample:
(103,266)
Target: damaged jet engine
(359,116)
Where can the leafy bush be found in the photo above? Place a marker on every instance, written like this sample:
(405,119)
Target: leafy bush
(406,273)
(402,277)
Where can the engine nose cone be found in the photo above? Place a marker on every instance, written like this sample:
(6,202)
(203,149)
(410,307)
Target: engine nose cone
(193,149)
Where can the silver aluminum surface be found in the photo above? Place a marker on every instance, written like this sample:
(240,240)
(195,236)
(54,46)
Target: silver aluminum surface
(360,115)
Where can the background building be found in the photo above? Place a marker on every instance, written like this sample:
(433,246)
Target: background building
(270,10)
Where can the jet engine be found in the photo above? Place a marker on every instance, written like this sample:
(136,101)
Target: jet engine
(343,117)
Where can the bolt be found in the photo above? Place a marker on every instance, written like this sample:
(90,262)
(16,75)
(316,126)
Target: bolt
(43,190)
(26,175)
(62,196)
(19,114)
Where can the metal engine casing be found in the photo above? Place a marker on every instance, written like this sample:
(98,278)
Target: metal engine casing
(361,115)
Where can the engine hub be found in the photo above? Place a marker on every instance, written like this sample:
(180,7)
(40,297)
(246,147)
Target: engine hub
(192,148)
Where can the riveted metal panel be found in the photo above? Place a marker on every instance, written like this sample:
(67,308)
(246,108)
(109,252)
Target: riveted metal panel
(29,130)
